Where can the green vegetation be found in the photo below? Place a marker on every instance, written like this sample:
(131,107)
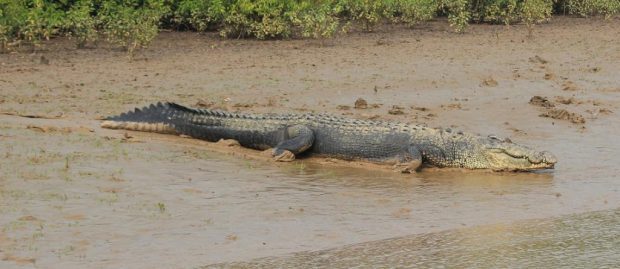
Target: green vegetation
(587,8)
(132,24)
(80,24)
(535,11)
(317,21)
(458,13)
(413,12)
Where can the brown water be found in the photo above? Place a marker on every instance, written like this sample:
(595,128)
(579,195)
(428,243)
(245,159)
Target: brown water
(72,198)
(588,240)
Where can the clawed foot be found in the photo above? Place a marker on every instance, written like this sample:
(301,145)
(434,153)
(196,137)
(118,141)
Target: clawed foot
(408,167)
(285,156)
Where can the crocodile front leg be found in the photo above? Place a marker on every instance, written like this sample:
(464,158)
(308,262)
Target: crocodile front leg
(297,139)
(410,161)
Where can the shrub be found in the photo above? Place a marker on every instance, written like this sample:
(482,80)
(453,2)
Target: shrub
(318,22)
(13,16)
(530,12)
(80,24)
(131,27)
(412,12)
(262,19)
(200,14)
(273,19)
(368,12)
(42,21)
(458,14)
(132,24)
(237,22)
(587,8)
(496,11)
(535,11)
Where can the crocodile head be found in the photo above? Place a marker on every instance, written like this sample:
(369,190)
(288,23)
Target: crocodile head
(503,155)
(447,149)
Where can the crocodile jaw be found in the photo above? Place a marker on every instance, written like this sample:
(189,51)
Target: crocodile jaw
(501,160)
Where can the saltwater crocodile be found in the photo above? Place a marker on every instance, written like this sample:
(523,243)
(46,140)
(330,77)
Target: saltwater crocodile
(407,146)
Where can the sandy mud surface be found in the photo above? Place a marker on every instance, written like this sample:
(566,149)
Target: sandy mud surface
(73,195)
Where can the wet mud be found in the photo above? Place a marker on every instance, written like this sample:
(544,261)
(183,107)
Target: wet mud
(557,113)
(74,195)
(532,243)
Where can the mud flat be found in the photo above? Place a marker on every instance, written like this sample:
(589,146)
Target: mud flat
(74,195)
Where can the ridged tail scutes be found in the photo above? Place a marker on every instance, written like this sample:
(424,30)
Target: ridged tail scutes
(156,118)
(151,113)
(170,117)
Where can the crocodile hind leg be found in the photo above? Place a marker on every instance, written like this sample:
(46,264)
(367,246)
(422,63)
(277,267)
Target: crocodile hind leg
(297,139)
(410,161)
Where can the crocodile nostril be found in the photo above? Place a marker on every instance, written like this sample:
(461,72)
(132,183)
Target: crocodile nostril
(549,157)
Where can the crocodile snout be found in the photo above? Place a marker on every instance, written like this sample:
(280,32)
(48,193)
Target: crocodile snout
(549,158)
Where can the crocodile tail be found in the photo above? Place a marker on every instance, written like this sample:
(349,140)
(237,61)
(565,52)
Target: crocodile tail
(156,118)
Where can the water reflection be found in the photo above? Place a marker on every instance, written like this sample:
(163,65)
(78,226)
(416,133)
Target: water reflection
(589,240)
(314,174)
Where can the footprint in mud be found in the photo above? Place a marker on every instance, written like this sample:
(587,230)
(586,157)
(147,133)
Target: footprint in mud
(537,59)
(569,86)
(244,105)
(360,103)
(567,101)
(563,114)
(457,106)
(396,110)
(597,112)
(489,82)
(28,218)
(343,107)
(419,108)
(557,113)
(541,101)
(202,103)
(402,213)
(549,76)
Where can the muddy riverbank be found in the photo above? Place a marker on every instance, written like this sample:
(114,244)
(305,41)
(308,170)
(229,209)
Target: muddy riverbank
(75,195)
